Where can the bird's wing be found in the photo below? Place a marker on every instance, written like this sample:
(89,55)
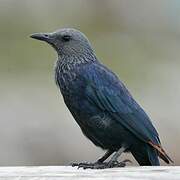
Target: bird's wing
(108,93)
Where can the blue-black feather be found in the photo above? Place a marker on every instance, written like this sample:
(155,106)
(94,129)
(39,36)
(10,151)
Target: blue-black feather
(107,113)
(109,94)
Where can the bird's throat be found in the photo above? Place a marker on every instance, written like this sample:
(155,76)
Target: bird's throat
(69,62)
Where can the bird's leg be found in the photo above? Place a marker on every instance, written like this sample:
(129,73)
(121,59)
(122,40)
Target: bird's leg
(99,164)
(106,155)
(114,162)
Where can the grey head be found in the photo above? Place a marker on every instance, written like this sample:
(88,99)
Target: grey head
(68,42)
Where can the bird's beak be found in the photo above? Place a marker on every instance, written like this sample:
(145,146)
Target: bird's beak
(42,37)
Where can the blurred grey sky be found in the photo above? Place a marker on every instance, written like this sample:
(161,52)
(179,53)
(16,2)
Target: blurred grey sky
(139,40)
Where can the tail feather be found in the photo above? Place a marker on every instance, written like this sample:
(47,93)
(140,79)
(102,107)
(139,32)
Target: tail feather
(162,154)
(153,156)
(145,155)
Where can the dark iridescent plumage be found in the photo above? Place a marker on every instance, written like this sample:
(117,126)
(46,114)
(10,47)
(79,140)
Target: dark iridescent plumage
(100,103)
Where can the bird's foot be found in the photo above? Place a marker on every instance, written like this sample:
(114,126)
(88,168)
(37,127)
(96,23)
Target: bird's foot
(86,165)
(114,164)
(101,165)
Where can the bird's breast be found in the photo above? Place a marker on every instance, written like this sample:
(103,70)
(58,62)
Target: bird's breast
(65,78)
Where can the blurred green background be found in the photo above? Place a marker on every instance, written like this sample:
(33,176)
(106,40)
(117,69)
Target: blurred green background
(139,40)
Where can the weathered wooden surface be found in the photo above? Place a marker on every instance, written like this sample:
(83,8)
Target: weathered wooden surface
(66,172)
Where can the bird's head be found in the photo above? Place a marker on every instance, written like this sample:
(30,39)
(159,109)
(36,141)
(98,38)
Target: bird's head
(67,42)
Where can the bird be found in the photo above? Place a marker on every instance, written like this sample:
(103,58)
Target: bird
(100,103)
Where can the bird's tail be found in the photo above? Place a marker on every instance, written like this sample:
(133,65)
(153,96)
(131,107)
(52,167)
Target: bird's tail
(146,155)
(161,153)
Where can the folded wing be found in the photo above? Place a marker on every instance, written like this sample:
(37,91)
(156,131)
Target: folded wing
(106,91)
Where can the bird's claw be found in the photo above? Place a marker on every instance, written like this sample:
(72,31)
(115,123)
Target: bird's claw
(101,165)
(113,164)
(86,165)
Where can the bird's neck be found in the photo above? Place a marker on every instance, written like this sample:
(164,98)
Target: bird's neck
(68,62)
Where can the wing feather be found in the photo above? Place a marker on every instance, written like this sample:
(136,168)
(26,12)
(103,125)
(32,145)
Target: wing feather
(109,94)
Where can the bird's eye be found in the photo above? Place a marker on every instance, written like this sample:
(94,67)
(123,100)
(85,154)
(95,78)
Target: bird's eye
(66,38)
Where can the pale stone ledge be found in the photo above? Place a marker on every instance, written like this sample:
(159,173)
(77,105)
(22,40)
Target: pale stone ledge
(67,172)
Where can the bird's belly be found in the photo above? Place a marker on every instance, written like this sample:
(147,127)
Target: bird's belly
(103,131)
(97,125)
